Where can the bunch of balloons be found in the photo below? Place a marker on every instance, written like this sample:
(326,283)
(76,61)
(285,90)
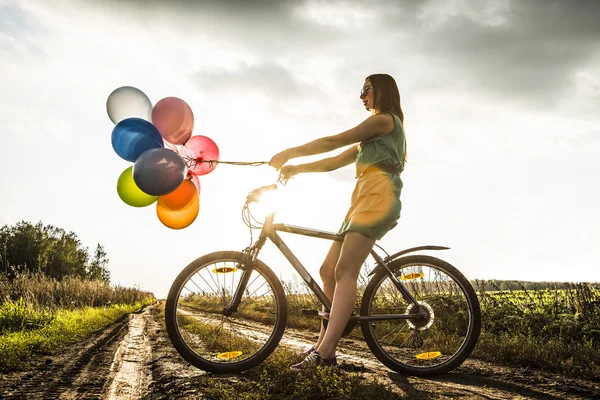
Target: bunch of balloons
(167,159)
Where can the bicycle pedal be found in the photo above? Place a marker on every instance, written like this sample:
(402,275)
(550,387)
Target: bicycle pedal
(313,313)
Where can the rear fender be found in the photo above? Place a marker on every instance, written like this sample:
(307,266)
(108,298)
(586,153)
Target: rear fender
(401,253)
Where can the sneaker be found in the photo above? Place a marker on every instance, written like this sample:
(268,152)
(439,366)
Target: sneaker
(314,359)
(307,352)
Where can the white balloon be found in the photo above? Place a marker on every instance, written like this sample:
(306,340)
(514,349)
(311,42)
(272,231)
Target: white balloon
(127,102)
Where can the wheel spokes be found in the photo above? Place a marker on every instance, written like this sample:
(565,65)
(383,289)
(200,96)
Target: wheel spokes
(426,342)
(210,334)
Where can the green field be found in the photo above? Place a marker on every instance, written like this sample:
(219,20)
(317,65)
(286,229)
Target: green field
(550,326)
(554,327)
(40,315)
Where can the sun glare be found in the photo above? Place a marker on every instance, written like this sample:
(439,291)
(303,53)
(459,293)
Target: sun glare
(289,206)
(269,202)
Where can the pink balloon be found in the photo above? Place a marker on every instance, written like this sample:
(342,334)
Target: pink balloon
(174,120)
(197,149)
(194,178)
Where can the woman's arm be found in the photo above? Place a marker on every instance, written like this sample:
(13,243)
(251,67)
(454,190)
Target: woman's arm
(327,164)
(373,126)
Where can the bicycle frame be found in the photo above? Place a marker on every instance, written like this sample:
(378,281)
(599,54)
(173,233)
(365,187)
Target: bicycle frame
(269,231)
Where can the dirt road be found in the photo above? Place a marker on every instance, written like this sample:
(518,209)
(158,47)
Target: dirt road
(134,359)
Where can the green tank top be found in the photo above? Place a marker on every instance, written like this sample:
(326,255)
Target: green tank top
(384,151)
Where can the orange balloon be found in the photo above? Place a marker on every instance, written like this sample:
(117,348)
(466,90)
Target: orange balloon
(182,218)
(180,197)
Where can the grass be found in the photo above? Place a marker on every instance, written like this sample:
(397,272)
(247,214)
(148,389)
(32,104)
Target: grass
(552,329)
(272,379)
(19,316)
(65,327)
(42,292)
(556,328)
(40,315)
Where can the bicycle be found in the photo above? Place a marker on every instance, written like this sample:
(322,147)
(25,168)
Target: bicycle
(227,311)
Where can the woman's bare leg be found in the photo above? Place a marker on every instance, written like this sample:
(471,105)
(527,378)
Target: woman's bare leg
(327,273)
(355,250)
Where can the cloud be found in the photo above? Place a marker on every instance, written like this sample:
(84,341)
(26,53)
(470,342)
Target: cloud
(346,16)
(528,50)
(18,32)
(269,79)
(262,76)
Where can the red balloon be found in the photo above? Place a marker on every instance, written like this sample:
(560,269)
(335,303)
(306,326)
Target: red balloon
(174,120)
(194,178)
(197,149)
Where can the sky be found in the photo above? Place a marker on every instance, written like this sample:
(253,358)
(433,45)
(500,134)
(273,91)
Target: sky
(500,99)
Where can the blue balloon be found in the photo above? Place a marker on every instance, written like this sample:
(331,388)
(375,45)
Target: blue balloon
(133,136)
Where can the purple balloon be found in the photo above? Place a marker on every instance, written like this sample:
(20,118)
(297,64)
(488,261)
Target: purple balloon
(159,171)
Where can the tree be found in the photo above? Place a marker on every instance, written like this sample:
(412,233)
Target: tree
(23,246)
(97,269)
(50,250)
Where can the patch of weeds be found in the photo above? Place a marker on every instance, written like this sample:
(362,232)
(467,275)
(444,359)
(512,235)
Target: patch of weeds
(273,379)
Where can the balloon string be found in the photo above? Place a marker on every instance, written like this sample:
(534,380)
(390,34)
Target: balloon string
(250,163)
(194,162)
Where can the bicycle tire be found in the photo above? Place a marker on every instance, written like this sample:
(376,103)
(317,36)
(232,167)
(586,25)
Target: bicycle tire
(175,334)
(472,333)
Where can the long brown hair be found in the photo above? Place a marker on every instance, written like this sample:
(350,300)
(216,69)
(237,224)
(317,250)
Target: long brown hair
(387,97)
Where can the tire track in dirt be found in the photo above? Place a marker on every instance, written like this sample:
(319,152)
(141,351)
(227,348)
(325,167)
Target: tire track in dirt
(84,370)
(60,376)
(131,375)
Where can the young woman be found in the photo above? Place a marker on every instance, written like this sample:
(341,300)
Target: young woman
(378,148)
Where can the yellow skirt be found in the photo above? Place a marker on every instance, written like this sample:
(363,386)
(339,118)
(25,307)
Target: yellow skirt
(375,205)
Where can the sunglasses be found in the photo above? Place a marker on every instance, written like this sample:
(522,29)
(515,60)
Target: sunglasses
(364,91)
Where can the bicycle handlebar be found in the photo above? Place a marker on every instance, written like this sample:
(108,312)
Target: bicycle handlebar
(254,195)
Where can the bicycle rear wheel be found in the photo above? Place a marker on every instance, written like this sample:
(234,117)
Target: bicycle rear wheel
(427,346)
(199,326)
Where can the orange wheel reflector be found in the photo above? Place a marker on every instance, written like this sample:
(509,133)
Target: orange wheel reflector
(408,277)
(224,270)
(429,356)
(229,355)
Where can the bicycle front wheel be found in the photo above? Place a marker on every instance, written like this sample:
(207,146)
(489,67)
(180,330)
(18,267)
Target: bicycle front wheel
(437,341)
(211,335)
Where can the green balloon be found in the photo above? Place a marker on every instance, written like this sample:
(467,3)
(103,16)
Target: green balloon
(130,193)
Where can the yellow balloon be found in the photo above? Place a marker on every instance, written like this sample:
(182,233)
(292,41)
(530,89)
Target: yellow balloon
(130,193)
